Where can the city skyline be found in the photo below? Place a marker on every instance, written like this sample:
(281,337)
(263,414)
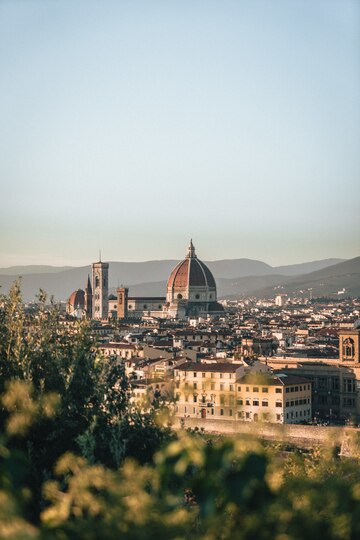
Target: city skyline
(134,126)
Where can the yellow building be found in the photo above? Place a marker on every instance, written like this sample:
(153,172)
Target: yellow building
(203,390)
(232,392)
(281,398)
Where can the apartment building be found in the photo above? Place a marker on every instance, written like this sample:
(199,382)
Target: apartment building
(234,392)
(203,390)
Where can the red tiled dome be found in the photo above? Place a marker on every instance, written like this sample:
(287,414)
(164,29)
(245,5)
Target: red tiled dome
(77,299)
(191,272)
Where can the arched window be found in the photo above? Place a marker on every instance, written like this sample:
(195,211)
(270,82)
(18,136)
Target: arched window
(97,281)
(348,348)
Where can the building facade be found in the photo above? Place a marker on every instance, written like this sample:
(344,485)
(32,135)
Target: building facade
(225,391)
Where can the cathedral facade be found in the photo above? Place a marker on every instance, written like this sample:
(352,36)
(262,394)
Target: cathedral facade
(190,292)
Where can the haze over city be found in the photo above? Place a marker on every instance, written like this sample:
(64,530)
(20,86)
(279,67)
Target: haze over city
(133,126)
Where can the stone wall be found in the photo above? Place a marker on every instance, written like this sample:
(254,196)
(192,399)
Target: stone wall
(299,435)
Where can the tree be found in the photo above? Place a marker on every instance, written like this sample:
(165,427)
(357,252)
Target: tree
(93,417)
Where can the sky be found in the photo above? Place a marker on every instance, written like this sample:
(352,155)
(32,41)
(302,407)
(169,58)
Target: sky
(132,126)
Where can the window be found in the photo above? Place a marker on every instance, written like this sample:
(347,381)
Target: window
(203,375)
(239,389)
(255,388)
(222,412)
(231,387)
(195,386)
(278,403)
(264,403)
(349,402)
(230,412)
(265,390)
(278,390)
(248,389)
(255,402)
(349,385)
(222,400)
(195,398)
(248,401)
(248,415)
(240,402)
(348,348)
(195,374)
(278,417)
(221,386)
(221,375)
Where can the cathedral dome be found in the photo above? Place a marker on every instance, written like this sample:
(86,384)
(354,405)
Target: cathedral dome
(191,280)
(77,299)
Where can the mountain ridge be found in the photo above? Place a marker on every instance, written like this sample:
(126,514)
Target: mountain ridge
(145,277)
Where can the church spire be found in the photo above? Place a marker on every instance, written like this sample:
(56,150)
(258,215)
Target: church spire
(88,285)
(191,250)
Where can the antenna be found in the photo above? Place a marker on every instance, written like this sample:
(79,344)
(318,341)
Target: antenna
(99,255)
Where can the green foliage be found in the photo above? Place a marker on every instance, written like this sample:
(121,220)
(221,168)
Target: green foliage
(89,394)
(197,489)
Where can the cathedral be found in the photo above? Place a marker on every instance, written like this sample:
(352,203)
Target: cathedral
(190,292)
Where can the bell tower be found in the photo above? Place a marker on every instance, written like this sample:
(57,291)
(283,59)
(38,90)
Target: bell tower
(122,301)
(100,290)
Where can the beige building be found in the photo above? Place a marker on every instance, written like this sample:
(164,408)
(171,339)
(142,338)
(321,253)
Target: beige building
(120,350)
(203,390)
(230,391)
(281,398)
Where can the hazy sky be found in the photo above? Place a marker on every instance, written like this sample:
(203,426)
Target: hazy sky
(132,126)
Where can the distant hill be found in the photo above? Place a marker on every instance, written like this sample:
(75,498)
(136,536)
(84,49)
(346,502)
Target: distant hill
(234,277)
(32,269)
(305,268)
(325,282)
